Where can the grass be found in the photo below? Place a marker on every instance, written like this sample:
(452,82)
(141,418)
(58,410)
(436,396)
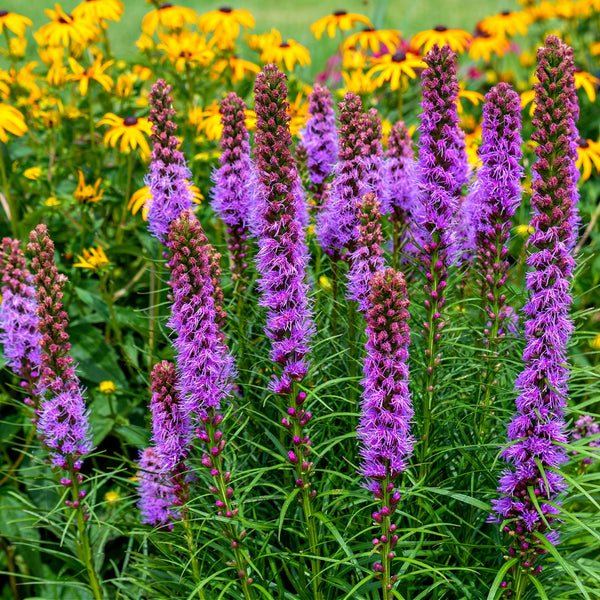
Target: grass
(294,17)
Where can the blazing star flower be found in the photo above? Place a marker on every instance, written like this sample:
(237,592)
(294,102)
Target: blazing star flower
(233,196)
(367,259)
(341,20)
(533,454)
(18,321)
(283,255)
(320,140)
(62,416)
(157,494)
(385,440)
(130,130)
(169,175)
(586,426)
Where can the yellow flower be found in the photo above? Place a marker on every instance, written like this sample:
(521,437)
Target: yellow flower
(95,73)
(338,20)
(473,97)
(93,259)
(586,81)
(484,44)
(595,343)
(595,49)
(325,283)
(86,194)
(57,75)
(289,53)
(237,67)
(124,85)
(16,23)
(72,113)
(392,66)
(588,154)
(261,42)
(524,230)
(11,121)
(543,11)
(107,387)
(358,82)
(526,98)
(145,43)
(374,38)
(224,24)
(298,112)
(97,10)
(506,23)
(33,173)
(457,39)
(16,48)
(50,55)
(141,199)
(111,497)
(208,121)
(172,18)
(142,72)
(185,48)
(25,81)
(64,29)
(353,59)
(472,143)
(130,130)
(52,202)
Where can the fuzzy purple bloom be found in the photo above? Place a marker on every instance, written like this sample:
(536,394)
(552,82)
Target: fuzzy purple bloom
(233,196)
(283,255)
(169,176)
(320,139)
(171,424)
(206,368)
(367,259)
(586,426)
(62,416)
(157,495)
(371,153)
(18,319)
(542,386)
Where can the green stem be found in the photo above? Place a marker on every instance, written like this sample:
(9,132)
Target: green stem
(154,299)
(353,352)
(92,128)
(12,206)
(189,538)
(520,583)
(123,219)
(334,289)
(84,542)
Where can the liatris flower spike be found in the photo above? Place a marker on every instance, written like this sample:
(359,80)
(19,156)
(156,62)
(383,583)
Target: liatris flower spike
(233,196)
(384,432)
(18,320)
(371,153)
(320,141)
(368,258)
(530,488)
(169,176)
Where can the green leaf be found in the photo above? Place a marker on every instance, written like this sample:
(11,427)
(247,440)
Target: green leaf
(500,578)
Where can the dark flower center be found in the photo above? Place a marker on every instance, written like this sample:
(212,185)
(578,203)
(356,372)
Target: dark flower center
(64,21)
(505,13)
(339,13)
(399,57)
(440,28)
(583,143)
(3,13)
(129,121)
(479,33)
(368,29)
(578,69)
(225,9)
(284,45)
(165,5)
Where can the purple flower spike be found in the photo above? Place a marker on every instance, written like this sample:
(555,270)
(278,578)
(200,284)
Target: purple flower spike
(206,368)
(157,495)
(171,424)
(320,140)
(233,196)
(283,255)
(62,416)
(586,426)
(537,427)
(337,221)
(169,176)
(18,319)
(496,196)
(368,258)
(371,153)
(384,432)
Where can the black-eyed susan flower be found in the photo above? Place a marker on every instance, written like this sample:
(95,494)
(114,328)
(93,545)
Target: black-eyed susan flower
(5,80)
(16,48)
(140,199)
(586,81)
(391,67)
(64,29)
(484,44)
(132,132)
(473,97)
(141,72)
(24,84)
(224,24)
(259,42)
(341,20)
(94,73)
(185,48)
(528,97)
(33,173)
(14,22)
(524,230)
(288,53)
(107,387)
(87,194)
(51,55)
(57,75)
(237,67)
(171,18)
(358,82)
(457,39)
(96,11)
(93,259)
(124,85)
(11,121)
(507,23)
(374,39)
(207,120)
(298,111)
(588,156)
(353,59)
